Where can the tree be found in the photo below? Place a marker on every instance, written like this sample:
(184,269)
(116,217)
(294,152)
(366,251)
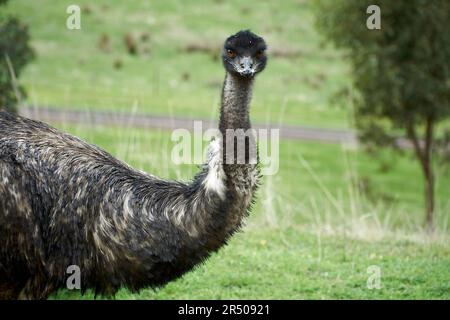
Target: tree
(15,53)
(401,72)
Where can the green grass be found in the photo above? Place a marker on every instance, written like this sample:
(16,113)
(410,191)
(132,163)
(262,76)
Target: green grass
(310,234)
(295,264)
(72,71)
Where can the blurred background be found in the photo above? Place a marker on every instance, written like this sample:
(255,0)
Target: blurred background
(335,207)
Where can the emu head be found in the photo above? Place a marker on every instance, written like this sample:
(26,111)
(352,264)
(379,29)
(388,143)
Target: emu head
(244,54)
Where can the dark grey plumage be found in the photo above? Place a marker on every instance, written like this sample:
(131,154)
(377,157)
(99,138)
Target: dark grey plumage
(65,202)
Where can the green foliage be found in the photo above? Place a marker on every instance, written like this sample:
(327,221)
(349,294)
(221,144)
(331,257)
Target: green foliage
(15,53)
(402,72)
(177,45)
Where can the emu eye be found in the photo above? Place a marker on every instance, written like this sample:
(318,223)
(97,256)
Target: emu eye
(231,54)
(259,54)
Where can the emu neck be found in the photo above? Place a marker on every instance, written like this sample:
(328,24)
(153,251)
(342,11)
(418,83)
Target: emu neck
(236,96)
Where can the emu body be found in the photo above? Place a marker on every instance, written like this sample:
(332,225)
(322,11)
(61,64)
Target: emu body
(65,202)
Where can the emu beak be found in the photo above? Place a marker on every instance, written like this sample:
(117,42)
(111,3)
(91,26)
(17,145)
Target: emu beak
(245,66)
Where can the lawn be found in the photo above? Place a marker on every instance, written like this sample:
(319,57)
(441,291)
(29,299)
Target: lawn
(176,69)
(310,234)
(293,263)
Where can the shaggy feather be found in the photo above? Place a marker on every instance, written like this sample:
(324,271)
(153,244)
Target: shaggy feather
(66,202)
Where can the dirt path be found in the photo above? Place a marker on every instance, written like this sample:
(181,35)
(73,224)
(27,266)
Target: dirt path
(53,115)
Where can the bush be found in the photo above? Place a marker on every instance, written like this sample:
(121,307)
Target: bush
(15,53)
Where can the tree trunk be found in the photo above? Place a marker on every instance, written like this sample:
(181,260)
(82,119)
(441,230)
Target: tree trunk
(429,194)
(423,152)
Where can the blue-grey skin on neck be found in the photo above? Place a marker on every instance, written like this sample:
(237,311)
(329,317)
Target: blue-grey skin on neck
(235,108)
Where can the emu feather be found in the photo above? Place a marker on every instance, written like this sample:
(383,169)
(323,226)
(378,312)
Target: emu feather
(65,202)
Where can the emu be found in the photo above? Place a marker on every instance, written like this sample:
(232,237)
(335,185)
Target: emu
(65,202)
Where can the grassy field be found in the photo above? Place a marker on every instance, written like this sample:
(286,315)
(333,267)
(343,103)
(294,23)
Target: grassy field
(176,70)
(310,234)
(290,263)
